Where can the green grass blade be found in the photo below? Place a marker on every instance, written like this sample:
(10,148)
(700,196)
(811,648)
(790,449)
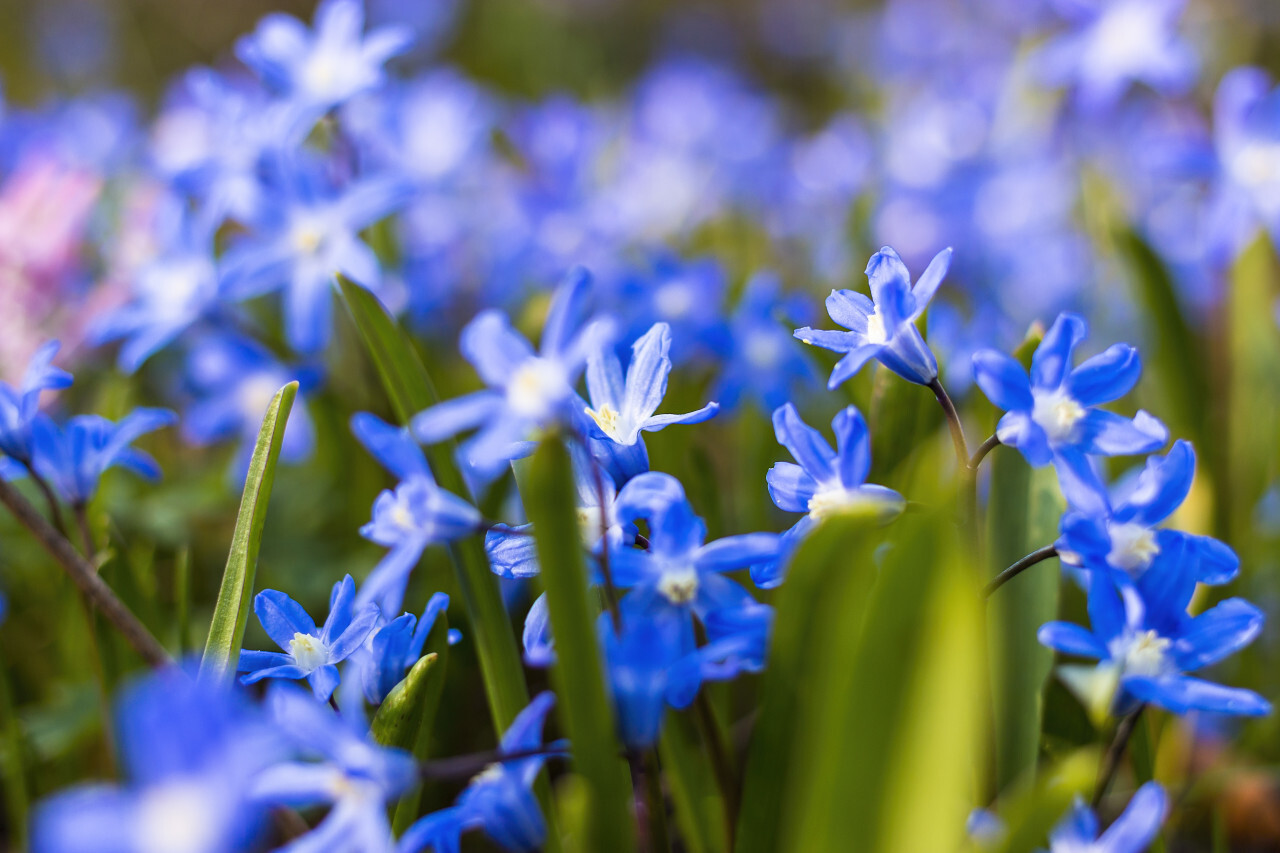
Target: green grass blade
(698,805)
(583,704)
(1024,509)
(890,731)
(409,387)
(828,580)
(410,706)
(235,596)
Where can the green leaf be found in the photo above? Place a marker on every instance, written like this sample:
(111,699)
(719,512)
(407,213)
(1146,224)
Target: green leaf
(1023,509)
(235,596)
(698,805)
(550,499)
(890,729)
(409,387)
(430,686)
(827,584)
(410,707)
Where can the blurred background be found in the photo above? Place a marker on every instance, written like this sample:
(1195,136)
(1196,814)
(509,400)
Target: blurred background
(1078,154)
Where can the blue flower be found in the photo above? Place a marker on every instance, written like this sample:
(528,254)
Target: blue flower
(686,295)
(1132,832)
(1118,530)
(169,294)
(1246,139)
(394,648)
(190,750)
(650,665)
(528,393)
(1050,416)
(883,327)
(234,379)
(357,777)
(74,458)
(825,481)
(678,571)
(313,653)
(309,232)
(19,406)
(499,800)
(764,364)
(1147,642)
(621,408)
(416,514)
(321,68)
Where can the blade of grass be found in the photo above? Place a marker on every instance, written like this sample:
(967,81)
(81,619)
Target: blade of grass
(235,596)
(578,674)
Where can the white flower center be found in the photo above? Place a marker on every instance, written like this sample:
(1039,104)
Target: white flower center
(589,525)
(308,651)
(763,350)
(1144,654)
(876,333)
(536,387)
(176,817)
(1132,546)
(606,417)
(306,234)
(674,300)
(1057,413)
(832,502)
(1257,165)
(679,586)
(256,393)
(490,773)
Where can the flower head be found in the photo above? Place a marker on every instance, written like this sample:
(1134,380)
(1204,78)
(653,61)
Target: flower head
(73,458)
(310,652)
(883,327)
(1132,832)
(19,406)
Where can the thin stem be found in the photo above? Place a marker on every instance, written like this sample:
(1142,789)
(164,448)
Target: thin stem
(333,703)
(86,535)
(655,803)
(721,766)
(1037,556)
(992,442)
(85,577)
(1111,761)
(953,421)
(463,766)
(55,511)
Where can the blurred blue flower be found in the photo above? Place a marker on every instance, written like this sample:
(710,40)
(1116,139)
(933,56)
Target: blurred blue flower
(323,67)
(74,458)
(357,777)
(416,514)
(233,380)
(1147,642)
(650,665)
(623,407)
(1117,530)
(312,653)
(678,572)
(1050,417)
(499,800)
(688,296)
(763,363)
(308,233)
(19,406)
(395,647)
(883,327)
(1246,137)
(528,393)
(190,750)
(1132,832)
(825,482)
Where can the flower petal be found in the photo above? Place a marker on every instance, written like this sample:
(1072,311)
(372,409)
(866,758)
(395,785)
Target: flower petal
(1003,380)
(1109,434)
(1052,359)
(806,444)
(1107,376)
(282,617)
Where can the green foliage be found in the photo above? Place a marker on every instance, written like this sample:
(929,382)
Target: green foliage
(235,597)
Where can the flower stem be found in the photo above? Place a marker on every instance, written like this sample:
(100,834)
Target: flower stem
(1037,556)
(86,535)
(986,447)
(86,578)
(721,766)
(953,422)
(1111,761)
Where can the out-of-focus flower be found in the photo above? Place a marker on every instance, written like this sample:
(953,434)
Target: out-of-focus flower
(417,514)
(356,776)
(190,750)
(763,363)
(312,653)
(73,458)
(19,406)
(528,393)
(883,327)
(1132,832)
(499,800)
(650,666)
(623,406)
(395,647)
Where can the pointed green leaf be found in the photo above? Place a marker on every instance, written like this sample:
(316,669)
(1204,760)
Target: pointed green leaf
(235,596)
(409,387)
(889,729)
(410,706)
(551,499)
(429,685)
(827,584)
(698,805)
